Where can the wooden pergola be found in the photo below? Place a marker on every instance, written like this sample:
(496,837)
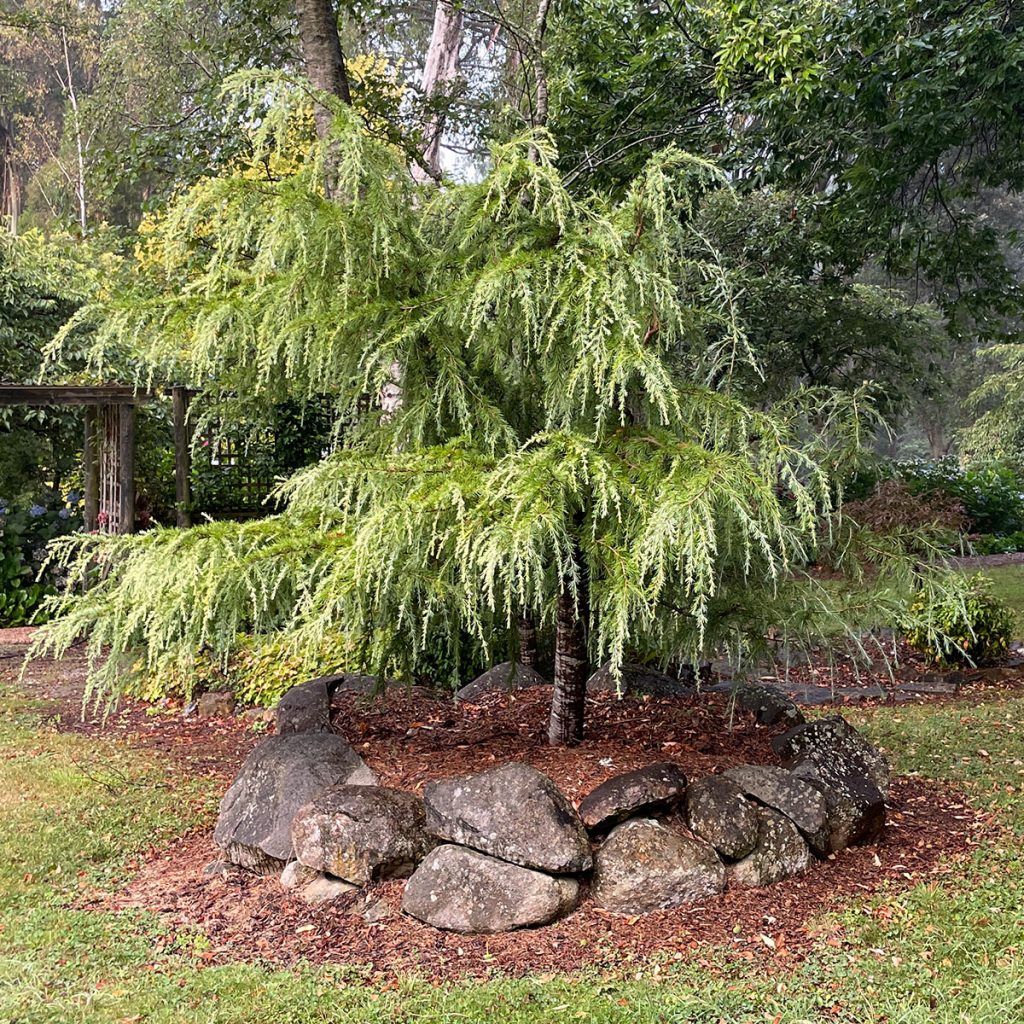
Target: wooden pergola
(109,446)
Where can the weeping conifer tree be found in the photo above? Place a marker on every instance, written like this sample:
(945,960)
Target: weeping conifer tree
(566,446)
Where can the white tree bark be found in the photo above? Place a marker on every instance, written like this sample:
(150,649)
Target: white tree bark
(440,68)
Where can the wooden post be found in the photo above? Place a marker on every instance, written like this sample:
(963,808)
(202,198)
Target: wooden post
(91,470)
(182,456)
(126,469)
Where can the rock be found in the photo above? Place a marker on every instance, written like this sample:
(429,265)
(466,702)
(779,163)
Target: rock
(296,875)
(827,741)
(376,911)
(465,891)
(513,812)
(644,866)
(218,869)
(638,679)
(354,682)
(643,791)
(280,775)
(717,811)
(216,704)
(257,716)
(509,675)
(856,807)
(304,708)
(768,704)
(780,853)
(794,797)
(323,889)
(361,833)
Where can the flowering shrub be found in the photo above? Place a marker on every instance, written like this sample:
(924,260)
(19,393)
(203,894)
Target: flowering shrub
(25,532)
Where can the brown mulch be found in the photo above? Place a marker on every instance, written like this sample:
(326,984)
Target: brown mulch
(412,736)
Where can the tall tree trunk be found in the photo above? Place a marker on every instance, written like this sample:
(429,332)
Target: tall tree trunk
(440,67)
(572,668)
(322,55)
(527,642)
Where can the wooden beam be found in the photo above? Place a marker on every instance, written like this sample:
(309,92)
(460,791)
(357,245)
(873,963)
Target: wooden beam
(182,456)
(61,394)
(91,469)
(126,468)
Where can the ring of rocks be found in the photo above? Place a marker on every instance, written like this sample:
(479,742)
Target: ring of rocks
(505,849)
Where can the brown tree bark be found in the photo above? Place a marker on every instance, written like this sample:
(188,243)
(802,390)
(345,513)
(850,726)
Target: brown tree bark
(527,642)
(317,22)
(572,669)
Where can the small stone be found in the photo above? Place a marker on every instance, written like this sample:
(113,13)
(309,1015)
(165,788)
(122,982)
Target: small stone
(462,890)
(513,812)
(639,679)
(324,888)
(717,811)
(781,852)
(218,869)
(376,911)
(768,704)
(216,704)
(643,791)
(296,875)
(645,866)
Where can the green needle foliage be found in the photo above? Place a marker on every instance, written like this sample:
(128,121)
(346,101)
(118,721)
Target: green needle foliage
(566,432)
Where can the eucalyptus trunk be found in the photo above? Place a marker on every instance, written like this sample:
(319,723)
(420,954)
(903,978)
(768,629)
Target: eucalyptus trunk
(572,669)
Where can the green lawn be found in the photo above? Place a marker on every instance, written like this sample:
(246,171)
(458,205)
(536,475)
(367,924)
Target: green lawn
(953,952)
(1008,583)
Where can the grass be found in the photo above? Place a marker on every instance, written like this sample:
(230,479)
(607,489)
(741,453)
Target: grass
(75,812)
(1008,584)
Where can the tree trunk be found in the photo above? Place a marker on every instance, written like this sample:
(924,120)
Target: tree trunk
(527,642)
(572,668)
(321,53)
(440,67)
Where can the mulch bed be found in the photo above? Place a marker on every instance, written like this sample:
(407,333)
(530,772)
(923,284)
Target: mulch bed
(412,736)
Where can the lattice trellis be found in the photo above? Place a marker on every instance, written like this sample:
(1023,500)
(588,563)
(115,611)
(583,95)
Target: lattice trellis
(109,519)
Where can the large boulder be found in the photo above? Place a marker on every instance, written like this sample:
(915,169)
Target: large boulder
(780,853)
(513,812)
(643,791)
(718,812)
(361,833)
(305,708)
(856,806)
(827,742)
(509,675)
(644,866)
(768,704)
(465,891)
(792,796)
(641,679)
(280,775)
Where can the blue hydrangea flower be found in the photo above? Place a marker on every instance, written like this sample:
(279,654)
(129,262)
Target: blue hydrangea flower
(64,514)
(37,511)
(73,497)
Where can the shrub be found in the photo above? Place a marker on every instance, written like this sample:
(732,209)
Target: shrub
(25,531)
(971,626)
(994,544)
(892,507)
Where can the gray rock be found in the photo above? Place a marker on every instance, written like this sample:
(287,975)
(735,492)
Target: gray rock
(509,675)
(781,852)
(639,679)
(305,708)
(856,807)
(768,704)
(718,812)
(644,791)
(794,797)
(280,775)
(464,891)
(513,812)
(216,704)
(361,833)
(828,742)
(296,875)
(218,869)
(323,889)
(644,866)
